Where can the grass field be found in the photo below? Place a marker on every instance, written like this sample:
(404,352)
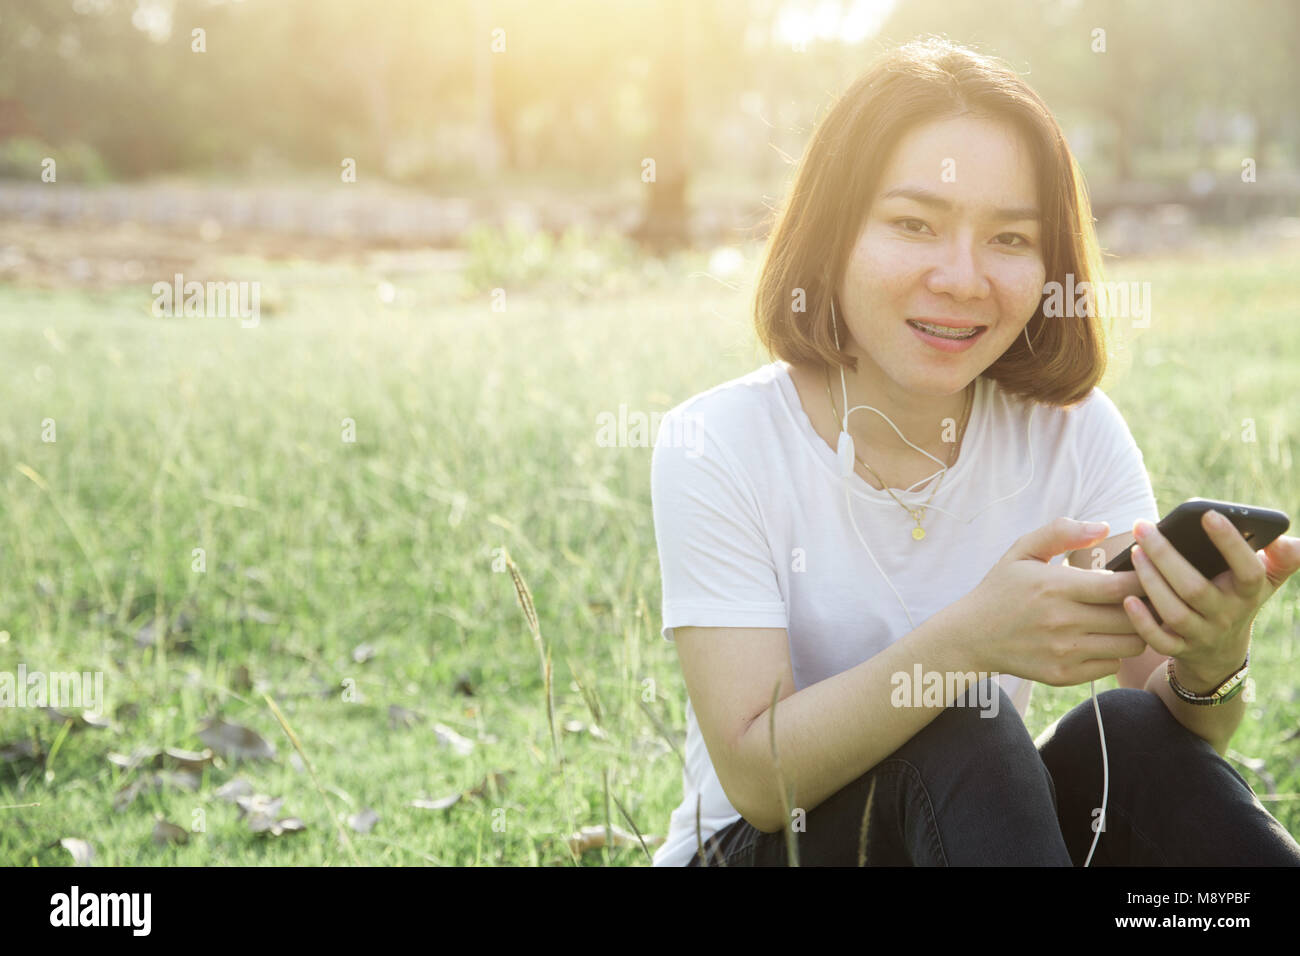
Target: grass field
(346,578)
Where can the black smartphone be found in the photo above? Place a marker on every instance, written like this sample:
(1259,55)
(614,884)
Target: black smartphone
(1182,527)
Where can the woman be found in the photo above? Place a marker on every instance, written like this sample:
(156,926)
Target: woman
(897,613)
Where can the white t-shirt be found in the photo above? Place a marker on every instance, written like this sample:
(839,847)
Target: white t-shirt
(751,528)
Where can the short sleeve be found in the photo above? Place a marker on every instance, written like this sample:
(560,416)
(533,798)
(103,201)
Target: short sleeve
(1113,481)
(714,558)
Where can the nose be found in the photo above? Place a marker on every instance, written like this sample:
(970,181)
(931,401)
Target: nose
(958,271)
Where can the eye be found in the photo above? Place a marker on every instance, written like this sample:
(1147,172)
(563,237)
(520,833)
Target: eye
(1024,240)
(901,223)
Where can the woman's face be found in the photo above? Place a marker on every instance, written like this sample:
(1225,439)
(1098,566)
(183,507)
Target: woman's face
(952,236)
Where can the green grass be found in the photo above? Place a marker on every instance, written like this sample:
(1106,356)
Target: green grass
(475,431)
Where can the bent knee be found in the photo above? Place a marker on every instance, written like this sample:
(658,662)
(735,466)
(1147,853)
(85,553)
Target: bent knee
(1135,722)
(984,721)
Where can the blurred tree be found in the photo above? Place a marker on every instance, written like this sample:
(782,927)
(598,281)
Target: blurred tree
(585,89)
(666,224)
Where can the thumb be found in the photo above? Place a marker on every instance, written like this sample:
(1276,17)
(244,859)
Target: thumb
(1281,560)
(1058,537)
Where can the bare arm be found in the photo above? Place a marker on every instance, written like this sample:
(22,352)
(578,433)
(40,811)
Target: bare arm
(1059,626)
(832,732)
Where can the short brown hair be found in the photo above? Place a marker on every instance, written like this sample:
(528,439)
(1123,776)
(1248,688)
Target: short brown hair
(818,224)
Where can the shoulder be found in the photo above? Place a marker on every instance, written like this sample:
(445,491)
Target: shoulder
(1095,408)
(1091,429)
(1097,415)
(732,408)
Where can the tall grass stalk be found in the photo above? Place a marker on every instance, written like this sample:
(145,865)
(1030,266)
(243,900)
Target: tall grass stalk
(787,795)
(525,598)
(297,745)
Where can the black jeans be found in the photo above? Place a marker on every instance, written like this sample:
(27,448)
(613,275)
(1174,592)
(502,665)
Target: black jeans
(972,790)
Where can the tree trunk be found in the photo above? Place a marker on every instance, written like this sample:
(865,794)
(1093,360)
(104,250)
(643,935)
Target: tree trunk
(666,222)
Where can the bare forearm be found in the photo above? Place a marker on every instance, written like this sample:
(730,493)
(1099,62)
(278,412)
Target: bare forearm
(830,733)
(1214,724)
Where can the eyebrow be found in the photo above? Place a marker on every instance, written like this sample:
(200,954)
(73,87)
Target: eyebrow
(928,198)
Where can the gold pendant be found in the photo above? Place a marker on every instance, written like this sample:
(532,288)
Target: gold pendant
(918,532)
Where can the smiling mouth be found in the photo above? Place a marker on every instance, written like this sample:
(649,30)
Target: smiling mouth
(947,332)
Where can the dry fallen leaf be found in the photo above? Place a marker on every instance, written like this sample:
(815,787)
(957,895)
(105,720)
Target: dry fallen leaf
(82,721)
(134,759)
(495,779)
(192,760)
(262,813)
(19,750)
(82,852)
(126,796)
(148,782)
(258,575)
(448,737)
(593,838)
(577,727)
(164,833)
(364,821)
(401,717)
(147,635)
(168,757)
(236,788)
(235,741)
(259,804)
(442,803)
(184,779)
(255,613)
(127,710)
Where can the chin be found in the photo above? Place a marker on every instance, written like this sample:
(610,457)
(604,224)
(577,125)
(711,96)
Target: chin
(944,389)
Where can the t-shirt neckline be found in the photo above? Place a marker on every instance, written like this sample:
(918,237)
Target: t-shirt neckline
(857,484)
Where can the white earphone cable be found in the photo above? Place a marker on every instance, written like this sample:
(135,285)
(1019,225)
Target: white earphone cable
(846,458)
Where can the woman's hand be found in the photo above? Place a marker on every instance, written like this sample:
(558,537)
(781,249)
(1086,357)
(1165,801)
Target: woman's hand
(1055,625)
(1206,624)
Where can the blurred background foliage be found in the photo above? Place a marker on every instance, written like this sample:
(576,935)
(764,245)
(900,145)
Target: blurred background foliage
(578,92)
(499,148)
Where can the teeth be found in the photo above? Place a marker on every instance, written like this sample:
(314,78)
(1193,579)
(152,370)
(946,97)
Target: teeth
(945,333)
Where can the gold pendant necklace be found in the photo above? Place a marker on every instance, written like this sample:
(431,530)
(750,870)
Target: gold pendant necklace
(916,513)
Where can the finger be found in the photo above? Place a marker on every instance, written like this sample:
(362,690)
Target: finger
(1091,670)
(1170,645)
(1182,579)
(1174,612)
(1106,646)
(1100,586)
(1248,571)
(1281,560)
(1103,619)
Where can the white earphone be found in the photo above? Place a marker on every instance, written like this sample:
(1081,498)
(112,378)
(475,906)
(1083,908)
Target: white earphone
(845,452)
